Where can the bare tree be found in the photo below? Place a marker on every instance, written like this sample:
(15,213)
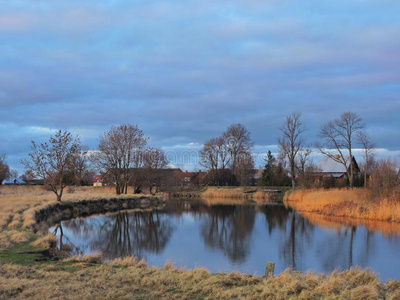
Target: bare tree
(292,141)
(118,152)
(303,160)
(4,168)
(385,177)
(209,156)
(231,149)
(55,162)
(154,161)
(84,172)
(13,173)
(368,153)
(238,142)
(222,147)
(339,135)
(245,168)
(28,177)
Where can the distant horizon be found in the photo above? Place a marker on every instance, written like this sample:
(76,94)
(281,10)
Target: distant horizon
(187,158)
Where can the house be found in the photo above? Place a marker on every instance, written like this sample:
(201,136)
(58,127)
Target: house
(172,176)
(98,180)
(193,178)
(218,177)
(328,168)
(13,181)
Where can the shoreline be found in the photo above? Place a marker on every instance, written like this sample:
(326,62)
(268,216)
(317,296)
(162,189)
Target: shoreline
(61,211)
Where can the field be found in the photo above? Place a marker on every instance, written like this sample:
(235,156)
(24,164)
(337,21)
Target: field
(350,203)
(28,270)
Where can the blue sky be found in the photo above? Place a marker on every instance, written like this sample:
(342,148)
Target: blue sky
(185,70)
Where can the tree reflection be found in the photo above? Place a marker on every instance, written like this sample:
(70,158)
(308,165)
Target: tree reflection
(276,216)
(124,233)
(297,235)
(228,228)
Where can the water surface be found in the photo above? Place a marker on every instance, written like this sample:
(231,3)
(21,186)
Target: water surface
(234,237)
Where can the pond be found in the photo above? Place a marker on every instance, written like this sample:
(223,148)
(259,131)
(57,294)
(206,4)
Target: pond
(235,237)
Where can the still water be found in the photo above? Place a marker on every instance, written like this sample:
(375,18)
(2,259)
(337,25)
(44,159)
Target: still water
(235,237)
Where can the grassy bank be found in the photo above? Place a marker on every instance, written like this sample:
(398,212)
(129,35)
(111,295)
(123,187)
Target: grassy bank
(29,270)
(18,203)
(353,203)
(131,279)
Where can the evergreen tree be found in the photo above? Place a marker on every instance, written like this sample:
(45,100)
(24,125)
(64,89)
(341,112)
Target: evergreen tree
(268,172)
(274,173)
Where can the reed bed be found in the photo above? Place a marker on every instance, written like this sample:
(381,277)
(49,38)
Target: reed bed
(234,193)
(354,203)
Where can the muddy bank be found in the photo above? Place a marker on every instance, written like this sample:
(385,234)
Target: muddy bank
(57,212)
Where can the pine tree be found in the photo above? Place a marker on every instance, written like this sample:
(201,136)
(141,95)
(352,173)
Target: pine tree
(269,170)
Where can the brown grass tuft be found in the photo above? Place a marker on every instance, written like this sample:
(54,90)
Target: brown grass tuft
(88,258)
(47,241)
(128,261)
(8,237)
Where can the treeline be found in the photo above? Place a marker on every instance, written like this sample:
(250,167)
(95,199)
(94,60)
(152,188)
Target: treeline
(230,157)
(124,159)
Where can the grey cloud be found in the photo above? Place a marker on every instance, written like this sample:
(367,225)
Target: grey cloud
(184,71)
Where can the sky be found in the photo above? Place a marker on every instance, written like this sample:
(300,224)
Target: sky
(184,70)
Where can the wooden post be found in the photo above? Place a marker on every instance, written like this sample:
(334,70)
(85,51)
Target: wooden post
(269,271)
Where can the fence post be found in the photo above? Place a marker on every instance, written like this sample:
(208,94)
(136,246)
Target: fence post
(269,271)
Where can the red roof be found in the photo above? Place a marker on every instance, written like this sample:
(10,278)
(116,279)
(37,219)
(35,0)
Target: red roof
(97,178)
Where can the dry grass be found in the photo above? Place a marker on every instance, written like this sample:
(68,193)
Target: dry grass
(89,258)
(89,281)
(234,193)
(127,261)
(354,203)
(47,241)
(8,237)
(18,203)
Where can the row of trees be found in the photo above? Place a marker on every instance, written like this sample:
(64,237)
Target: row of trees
(125,158)
(122,156)
(229,157)
(338,140)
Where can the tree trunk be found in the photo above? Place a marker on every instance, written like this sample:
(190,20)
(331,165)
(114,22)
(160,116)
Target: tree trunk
(117,189)
(59,196)
(351,179)
(292,166)
(365,179)
(151,190)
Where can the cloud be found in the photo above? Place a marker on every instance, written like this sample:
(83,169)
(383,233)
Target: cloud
(185,70)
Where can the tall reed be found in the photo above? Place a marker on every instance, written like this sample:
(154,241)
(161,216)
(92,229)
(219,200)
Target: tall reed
(355,203)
